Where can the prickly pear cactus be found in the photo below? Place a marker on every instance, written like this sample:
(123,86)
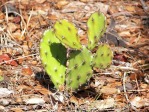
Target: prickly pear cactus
(79,69)
(81,61)
(103,57)
(53,57)
(67,34)
(96,28)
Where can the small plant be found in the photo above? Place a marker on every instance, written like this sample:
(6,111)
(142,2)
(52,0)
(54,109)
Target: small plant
(73,69)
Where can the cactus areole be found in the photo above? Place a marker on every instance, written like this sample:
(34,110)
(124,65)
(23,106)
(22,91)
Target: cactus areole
(81,60)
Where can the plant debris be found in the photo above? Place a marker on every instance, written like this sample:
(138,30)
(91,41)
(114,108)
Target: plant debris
(24,84)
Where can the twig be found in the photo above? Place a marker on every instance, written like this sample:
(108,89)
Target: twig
(121,13)
(140,90)
(6,14)
(125,92)
(18,15)
(122,63)
(18,58)
(26,24)
(108,73)
(145,7)
(137,84)
(124,68)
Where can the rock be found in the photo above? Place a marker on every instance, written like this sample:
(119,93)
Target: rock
(4,92)
(35,101)
(4,102)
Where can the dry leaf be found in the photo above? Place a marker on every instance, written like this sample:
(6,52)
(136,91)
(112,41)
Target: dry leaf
(144,86)
(137,21)
(25,2)
(125,34)
(42,90)
(103,104)
(2,16)
(12,27)
(23,88)
(20,60)
(133,76)
(18,99)
(27,71)
(108,90)
(7,59)
(52,17)
(139,102)
(73,6)
(34,62)
(2,108)
(120,57)
(38,12)
(25,48)
(16,110)
(74,100)
(18,36)
(17,20)
(40,1)
(85,1)
(83,39)
(139,11)
(61,4)
(130,8)
(1,72)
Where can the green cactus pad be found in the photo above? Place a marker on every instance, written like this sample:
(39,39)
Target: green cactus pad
(96,28)
(79,69)
(67,34)
(53,57)
(103,57)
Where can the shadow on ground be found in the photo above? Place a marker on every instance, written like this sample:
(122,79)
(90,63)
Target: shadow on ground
(45,81)
(85,91)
